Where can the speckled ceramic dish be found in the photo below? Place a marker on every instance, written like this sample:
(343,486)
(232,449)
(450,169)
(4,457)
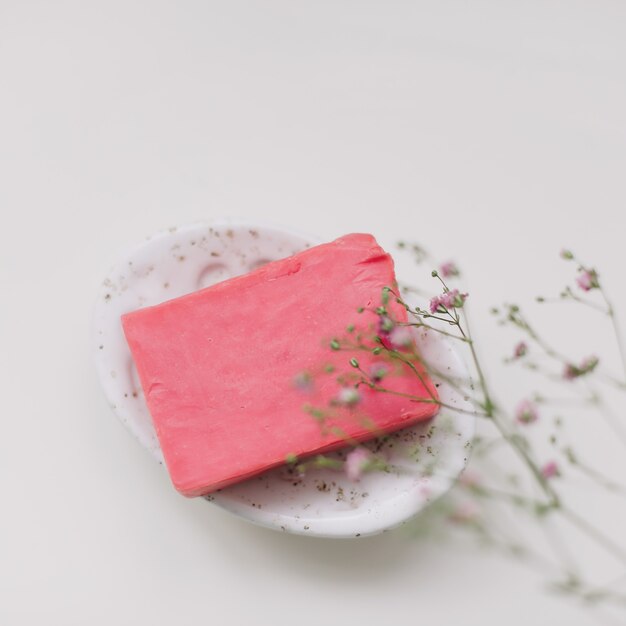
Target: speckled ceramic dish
(429,457)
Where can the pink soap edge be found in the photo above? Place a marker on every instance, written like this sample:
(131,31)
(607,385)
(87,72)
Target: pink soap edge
(337,445)
(375,249)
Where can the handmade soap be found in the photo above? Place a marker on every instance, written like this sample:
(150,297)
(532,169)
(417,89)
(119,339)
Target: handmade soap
(218,366)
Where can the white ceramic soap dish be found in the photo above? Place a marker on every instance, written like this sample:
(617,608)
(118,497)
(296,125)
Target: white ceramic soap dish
(323,502)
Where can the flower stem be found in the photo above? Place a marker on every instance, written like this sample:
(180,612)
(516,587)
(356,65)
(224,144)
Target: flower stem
(593,533)
(618,333)
(490,410)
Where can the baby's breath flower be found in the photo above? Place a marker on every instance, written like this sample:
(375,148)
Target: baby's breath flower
(526,412)
(550,470)
(385,325)
(448,300)
(303,381)
(589,363)
(401,337)
(349,396)
(570,372)
(465,513)
(520,350)
(378,371)
(449,269)
(357,461)
(586,366)
(588,280)
(435,303)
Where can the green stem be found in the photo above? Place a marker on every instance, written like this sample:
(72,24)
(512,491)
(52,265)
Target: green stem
(612,420)
(617,551)
(599,478)
(591,305)
(490,409)
(618,332)
(437,330)
(423,400)
(549,350)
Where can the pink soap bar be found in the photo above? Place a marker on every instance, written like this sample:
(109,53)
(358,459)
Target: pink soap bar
(217,366)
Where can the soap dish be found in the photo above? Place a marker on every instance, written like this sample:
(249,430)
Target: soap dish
(323,502)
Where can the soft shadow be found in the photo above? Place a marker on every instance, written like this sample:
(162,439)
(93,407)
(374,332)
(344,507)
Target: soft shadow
(357,559)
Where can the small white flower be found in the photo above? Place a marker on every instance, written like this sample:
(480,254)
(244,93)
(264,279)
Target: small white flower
(349,396)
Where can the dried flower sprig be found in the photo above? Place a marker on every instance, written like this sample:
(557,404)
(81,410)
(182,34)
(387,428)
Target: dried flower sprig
(535,492)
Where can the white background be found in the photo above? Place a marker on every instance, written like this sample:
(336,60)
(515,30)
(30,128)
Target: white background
(493,132)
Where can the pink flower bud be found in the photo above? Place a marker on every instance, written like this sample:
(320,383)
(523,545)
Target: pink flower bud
(465,513)
(520,350)
(449,269)
(588,280)
(356,462)
(586,366)
(550,470)
(448,300)
(526,412)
